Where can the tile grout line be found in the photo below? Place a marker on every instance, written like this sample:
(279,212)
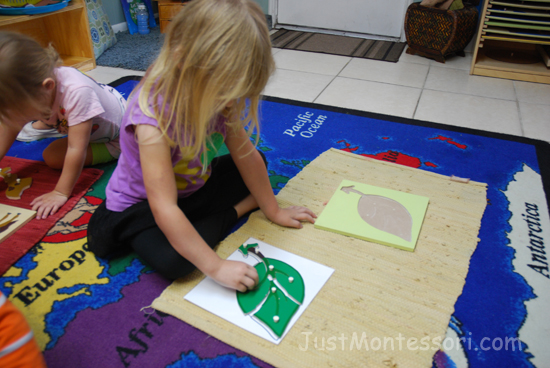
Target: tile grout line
(471,95)
(332,80)
(377,82)
(421,91)
(519,110)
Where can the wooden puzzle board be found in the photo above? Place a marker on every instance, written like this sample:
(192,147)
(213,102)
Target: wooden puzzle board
(374,214)
(377,294)
(12,218)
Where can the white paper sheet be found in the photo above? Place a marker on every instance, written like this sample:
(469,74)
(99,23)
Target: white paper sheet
(222,301)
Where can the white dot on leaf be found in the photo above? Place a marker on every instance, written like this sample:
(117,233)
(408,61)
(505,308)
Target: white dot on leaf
(271,267)
(273,289)
(291,279)
(275,319)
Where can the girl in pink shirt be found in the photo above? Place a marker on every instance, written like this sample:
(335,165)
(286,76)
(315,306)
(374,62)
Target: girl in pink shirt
(33,87)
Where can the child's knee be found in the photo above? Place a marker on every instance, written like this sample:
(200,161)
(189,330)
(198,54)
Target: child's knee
(54,155)
(175,268)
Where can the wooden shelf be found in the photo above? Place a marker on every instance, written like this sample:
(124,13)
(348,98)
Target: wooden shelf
(67,30)
(168,10)
(536,72)
(9,19)
(509,50)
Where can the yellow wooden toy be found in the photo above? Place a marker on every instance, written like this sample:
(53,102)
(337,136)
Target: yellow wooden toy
(16,186)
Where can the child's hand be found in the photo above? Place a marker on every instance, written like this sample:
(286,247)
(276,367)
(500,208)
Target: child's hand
(236,275)
(48,204)
(292,216)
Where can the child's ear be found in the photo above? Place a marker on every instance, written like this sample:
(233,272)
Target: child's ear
(49,84)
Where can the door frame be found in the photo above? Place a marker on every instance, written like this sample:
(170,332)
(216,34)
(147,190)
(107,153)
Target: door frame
(273,11)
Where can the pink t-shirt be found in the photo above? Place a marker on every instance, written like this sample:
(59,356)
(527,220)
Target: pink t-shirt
(126,186)
(79,98)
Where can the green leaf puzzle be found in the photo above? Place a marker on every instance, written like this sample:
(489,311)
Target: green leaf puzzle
(278,295)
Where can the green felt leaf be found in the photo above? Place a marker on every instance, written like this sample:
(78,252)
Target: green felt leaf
(253,298)
(270,295)
(277,304)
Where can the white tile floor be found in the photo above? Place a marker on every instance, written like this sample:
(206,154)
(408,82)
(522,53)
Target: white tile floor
(414,87)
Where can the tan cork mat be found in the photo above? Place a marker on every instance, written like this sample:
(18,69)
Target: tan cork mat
(382,307)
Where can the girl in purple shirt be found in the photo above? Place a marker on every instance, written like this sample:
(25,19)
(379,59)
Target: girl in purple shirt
(170,199)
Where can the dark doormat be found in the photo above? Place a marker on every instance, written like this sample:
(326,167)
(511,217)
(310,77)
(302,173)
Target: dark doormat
(338,45)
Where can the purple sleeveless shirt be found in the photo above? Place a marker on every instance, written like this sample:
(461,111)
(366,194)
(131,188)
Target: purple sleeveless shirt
(126,186)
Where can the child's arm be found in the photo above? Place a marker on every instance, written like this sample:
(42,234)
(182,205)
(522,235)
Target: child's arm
(78,140)
(254,173)
(8,134)
(160,186)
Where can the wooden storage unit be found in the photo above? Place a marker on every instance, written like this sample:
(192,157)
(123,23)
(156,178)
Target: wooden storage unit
(67,29)
(167,11)
(507,40)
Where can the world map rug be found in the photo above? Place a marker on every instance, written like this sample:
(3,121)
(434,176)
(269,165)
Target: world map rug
(90,312)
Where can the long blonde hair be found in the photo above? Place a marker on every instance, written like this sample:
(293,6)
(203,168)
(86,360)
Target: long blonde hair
(215,52)
(24,65)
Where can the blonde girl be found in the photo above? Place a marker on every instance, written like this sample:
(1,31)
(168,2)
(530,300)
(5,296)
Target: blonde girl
(170,199)
(34,87)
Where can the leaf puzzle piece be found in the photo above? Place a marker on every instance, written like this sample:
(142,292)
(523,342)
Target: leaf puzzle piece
(16,186)
(384,213)
(278,295)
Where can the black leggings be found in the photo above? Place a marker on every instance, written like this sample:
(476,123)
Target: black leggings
(210,210)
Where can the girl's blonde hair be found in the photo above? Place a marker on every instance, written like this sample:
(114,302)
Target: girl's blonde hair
(215,52)
(24,65)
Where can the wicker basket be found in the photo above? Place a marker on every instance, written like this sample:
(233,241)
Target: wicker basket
(436,33)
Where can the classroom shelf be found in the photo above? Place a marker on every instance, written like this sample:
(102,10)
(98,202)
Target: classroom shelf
(66,29)
(168,10)
(507,41)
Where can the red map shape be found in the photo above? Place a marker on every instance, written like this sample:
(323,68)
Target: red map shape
(397,157)
(450,141)
(391,156)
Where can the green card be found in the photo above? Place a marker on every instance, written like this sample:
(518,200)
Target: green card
(375,214)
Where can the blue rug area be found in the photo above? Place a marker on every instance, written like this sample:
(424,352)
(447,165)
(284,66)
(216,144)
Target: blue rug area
(497,319)
(30,150)
(500,320)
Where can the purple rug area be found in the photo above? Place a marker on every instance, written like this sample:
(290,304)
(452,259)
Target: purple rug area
(122,335)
